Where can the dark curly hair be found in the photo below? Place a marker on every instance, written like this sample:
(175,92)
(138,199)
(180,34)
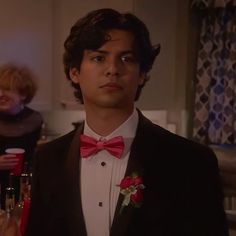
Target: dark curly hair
(90,32)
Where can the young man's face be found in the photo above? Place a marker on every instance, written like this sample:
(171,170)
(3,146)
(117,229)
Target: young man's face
(109,76)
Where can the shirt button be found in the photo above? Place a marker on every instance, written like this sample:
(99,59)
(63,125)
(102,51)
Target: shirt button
(103,163)
(100,204)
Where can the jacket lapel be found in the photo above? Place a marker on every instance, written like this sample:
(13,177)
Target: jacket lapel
(135,164)
(75,213)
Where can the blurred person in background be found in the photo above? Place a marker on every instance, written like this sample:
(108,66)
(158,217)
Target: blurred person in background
(20,126)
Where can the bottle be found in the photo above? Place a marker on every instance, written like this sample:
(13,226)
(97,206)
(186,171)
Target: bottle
(3,214)
(9,225)
(43,135)
(24,195)
(26,206)
(10,195)
(24,183)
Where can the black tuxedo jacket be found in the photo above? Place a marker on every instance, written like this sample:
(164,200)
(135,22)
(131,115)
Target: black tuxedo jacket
(182,197)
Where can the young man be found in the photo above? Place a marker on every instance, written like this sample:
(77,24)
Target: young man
(119,174)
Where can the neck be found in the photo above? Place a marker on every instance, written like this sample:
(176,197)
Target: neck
(16,110)
(104,122)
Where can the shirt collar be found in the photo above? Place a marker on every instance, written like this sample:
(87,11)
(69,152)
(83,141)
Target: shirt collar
(127,129)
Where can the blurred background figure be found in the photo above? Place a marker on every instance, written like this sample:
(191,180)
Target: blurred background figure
(20,126)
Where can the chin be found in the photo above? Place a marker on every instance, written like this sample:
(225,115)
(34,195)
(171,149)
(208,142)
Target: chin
(113,104)
(4,109)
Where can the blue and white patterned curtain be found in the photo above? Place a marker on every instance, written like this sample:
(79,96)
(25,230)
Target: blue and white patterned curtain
(215,91)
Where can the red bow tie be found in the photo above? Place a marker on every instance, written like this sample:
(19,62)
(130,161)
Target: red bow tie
(90,146)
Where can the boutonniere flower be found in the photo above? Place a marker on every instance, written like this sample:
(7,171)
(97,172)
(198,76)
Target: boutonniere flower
(132,189)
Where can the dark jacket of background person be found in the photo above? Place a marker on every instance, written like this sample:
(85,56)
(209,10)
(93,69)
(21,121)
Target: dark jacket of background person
(19,131)
(19,125)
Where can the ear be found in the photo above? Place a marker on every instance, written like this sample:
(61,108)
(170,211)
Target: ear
(74,75)
(142,78)
(22,98)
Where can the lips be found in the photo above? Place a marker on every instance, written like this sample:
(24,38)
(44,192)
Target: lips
(3,99)
(111,85)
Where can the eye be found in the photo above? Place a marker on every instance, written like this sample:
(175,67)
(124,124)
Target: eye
(98,58)
(128,58)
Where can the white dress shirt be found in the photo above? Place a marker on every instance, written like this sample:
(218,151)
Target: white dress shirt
(100,175)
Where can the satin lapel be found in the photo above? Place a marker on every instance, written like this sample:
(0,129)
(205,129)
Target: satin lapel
(75,214)
(135,164)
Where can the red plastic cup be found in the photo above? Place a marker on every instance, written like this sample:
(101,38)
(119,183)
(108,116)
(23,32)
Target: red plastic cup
(19,154)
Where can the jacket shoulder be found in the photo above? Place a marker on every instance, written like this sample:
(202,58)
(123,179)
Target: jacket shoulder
(172,144)
(59,146)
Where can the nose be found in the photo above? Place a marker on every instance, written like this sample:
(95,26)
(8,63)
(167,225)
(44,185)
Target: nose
(113,68)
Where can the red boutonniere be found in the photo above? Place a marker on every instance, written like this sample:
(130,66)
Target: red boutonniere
(132,189)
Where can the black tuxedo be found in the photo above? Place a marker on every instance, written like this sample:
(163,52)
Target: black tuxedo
(182,197)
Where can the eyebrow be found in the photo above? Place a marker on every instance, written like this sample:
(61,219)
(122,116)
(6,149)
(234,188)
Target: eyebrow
(106,52)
